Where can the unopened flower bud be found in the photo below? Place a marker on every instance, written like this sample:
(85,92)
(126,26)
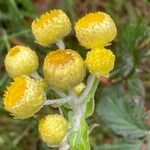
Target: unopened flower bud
(95,30)
(51,27)
(79,88)
(53,129)
(64,69)
(100,62)
(21,60)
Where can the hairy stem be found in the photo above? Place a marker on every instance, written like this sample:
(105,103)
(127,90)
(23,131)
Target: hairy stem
(35,75)
(78,104)
(59,92)
(77,107)
(60,44)
(58,101)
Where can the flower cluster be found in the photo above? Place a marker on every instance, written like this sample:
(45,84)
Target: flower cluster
(64,69)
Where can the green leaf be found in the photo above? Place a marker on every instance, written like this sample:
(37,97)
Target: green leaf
(90,108)
(128,50)
(89,100)
(79,137)
(135,86)
(120,146)
(132,34)
(124,116)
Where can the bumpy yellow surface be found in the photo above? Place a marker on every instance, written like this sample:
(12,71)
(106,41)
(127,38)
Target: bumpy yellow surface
(21,60)
(64,69)
(95,30)
(79,88)
(51,27)
(53,129)
(42,83)
(24,97)
(100,61)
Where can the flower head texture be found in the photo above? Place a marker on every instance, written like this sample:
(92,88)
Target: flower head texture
(42,83)
(21,60)
(100,61)
(24,97)
(95,30)
(64,69)
(53,129)
(79,88)
(51,27)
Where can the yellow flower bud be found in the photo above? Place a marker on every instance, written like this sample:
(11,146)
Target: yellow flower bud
(21,60)
(79,88)
(53,129)
(100,61)
(42,83)
(51,27)
(24,97)
(64,69)
(95,30)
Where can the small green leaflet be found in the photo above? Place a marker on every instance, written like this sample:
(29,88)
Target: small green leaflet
(90,108)
(89,100)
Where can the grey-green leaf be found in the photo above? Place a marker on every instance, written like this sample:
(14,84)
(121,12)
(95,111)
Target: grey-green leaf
(124,116)
(120,146)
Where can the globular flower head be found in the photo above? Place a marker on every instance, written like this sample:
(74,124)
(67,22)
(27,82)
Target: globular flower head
(53,129)
(64,69)
(100,61)
(51,27)
(24,97)
(95,30)
(21,60)
(42,83)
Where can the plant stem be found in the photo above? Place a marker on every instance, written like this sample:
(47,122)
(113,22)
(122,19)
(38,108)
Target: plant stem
(58,101)
(59,92)
(90,82)
(60,44)
(35,75)
(78,105)
(78,109)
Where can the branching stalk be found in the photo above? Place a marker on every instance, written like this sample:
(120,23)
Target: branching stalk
(78,105)
(58,101)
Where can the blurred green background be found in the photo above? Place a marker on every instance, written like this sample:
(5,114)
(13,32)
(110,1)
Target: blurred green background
(131,76)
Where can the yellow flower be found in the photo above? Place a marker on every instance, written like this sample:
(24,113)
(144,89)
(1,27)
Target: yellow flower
(42,83)
(79,88)
(51,27)
(21,60)
(95,30)
(64,69)
(53,129)
(100,61)
(24,97)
